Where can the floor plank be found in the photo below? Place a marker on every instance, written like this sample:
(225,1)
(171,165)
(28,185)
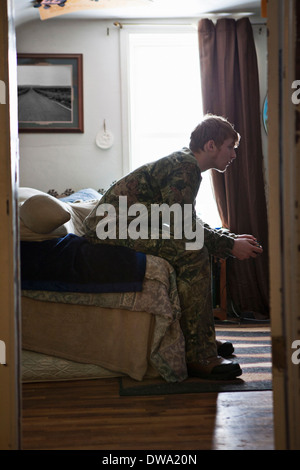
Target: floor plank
(90,415)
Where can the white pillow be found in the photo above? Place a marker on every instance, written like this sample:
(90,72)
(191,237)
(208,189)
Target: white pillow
(25,193)
(43,213)
(79,211)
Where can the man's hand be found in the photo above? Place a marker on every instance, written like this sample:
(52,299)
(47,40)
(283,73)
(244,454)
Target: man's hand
(245,247)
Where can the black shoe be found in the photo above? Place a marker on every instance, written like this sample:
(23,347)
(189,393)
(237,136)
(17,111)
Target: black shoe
(214,368)
(224,348)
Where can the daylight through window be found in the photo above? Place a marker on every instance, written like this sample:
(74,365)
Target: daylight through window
(165,103)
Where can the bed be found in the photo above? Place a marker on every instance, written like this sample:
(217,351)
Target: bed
(71,335)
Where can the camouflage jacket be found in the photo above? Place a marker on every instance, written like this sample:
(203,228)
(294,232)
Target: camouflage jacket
(174,179)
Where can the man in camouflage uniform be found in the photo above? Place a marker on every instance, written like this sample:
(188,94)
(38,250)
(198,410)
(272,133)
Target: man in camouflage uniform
(175,179)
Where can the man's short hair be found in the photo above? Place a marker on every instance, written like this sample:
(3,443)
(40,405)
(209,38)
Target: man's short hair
(215,128)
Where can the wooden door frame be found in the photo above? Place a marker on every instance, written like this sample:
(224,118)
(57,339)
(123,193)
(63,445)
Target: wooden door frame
(284,219)
(10,394)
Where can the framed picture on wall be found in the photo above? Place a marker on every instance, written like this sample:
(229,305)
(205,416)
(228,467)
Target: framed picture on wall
(50,92)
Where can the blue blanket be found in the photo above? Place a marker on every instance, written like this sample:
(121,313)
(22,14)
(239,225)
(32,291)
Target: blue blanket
(73,264)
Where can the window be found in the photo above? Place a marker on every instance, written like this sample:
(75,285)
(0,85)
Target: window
(162,99)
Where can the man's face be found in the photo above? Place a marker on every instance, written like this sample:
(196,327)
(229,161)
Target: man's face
(225,155)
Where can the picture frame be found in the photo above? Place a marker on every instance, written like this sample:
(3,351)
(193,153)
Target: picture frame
(50,93)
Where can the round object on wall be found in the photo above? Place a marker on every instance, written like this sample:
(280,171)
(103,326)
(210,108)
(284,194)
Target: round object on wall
(104,138)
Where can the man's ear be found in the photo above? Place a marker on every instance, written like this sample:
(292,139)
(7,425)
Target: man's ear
(210,145)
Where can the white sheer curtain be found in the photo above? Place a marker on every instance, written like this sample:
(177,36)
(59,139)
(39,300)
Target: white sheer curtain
(162,100)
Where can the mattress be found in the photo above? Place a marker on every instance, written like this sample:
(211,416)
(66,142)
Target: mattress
(37,367)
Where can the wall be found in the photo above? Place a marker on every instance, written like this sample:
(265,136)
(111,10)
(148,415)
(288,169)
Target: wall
(61,161)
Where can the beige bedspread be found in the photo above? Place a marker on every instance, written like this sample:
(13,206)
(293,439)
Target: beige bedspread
(150,317)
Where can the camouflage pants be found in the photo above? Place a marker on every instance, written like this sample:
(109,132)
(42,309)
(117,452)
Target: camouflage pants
(194,289)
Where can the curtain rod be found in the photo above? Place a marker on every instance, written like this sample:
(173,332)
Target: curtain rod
(120,25)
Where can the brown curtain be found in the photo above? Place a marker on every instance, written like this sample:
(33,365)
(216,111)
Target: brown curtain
(230,87)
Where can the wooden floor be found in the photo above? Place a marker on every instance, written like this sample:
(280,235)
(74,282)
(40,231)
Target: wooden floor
(90,415)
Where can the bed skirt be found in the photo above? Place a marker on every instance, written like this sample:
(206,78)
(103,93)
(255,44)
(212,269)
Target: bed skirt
(59,342)
(126,333)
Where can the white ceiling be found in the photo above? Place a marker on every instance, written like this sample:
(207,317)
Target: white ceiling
(24,10)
